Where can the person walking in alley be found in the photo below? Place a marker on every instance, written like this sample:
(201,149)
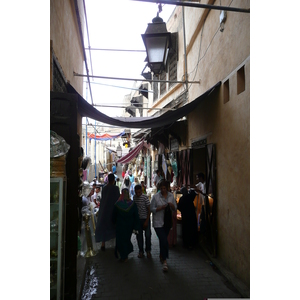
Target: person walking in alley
(105,229)
(143,205)
(143,187)
(126,218)
(158,204)
(114,169)
(105,178)
(118,183)
(189,219)
(157,177)
(200,187)
(126,183)
(172,237)
(87,200)
(132,187)
(131,177)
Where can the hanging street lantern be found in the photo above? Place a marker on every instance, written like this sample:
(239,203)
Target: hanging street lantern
(119,150)
(157,40)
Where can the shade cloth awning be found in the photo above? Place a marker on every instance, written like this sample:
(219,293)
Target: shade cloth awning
(133,153)
(87,110)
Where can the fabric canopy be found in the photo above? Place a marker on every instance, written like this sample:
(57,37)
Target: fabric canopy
(87,110)
(104,137)
(133,153)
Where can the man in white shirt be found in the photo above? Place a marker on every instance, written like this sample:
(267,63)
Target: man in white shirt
(96,196)
(200,187)
(157,177)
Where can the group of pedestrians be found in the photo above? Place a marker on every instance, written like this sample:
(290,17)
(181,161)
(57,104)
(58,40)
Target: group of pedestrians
(125,209)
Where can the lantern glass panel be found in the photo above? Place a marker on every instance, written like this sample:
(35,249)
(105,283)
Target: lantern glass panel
(156,48)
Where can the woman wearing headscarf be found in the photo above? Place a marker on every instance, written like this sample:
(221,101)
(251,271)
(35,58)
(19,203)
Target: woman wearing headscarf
(126,218)
(126,183)
(189,219)
(105,229)
(157,206)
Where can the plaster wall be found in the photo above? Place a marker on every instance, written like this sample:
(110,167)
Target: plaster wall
(214,56)
(65,38)
(228,126)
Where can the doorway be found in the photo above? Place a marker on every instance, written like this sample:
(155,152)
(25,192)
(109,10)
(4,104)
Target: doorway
(204,160)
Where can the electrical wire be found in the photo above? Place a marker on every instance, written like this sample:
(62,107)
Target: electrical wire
(88,36)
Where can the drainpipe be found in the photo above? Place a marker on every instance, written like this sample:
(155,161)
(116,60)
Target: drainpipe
(184,42)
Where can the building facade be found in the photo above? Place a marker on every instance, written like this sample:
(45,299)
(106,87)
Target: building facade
(66,56)
(214,46)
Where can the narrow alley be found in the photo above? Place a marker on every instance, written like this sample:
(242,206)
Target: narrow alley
(191,275)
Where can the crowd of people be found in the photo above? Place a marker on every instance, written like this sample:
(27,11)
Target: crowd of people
(125,209)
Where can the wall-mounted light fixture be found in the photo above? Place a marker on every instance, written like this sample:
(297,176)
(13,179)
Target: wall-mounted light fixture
(157,40)
(119,150)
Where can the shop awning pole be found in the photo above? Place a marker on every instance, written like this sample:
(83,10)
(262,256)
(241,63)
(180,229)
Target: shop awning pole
(86,122)
(95,152)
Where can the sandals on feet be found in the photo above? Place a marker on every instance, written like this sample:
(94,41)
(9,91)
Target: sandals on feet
(141,255)
(165,267)
(124,260)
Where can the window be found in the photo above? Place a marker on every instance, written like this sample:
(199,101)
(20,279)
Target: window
(173,57)
(163,87)
(226,91)
(241,80)
(155,88)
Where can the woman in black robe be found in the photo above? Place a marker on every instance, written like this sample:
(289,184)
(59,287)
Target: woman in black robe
(189,219)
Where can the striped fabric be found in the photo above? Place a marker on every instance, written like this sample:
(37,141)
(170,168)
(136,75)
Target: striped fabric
(142,203)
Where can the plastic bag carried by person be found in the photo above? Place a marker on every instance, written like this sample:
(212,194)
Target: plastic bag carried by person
(58,146)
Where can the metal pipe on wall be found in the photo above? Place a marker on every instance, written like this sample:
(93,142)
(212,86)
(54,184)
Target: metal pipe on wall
(198,5)
(134,79)
(184,43)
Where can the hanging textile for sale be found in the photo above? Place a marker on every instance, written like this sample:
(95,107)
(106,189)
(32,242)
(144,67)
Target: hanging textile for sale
(105,136)
(164,165)
(133,153)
